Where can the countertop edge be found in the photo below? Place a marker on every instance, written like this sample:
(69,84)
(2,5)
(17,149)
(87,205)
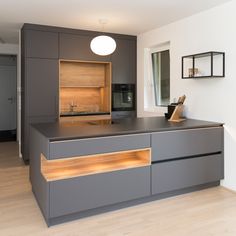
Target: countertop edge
(128,132)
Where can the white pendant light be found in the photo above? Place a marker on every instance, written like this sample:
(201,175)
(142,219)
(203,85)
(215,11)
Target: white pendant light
(103,45)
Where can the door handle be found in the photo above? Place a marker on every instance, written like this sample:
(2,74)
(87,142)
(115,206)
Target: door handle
(10,99)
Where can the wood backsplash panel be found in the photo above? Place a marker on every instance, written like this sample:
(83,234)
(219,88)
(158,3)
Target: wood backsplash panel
(86,99)
(82,74)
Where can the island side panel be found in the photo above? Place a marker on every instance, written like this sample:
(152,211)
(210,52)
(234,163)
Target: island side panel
(223,153)
(40,187)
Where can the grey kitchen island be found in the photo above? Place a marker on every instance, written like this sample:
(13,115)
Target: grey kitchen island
(78,170)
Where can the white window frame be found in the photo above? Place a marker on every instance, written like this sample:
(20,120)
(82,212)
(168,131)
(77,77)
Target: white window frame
(151,107)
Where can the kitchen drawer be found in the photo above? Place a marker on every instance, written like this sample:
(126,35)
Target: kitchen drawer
(88,192)
(183,143)
(70,148)
(174,175)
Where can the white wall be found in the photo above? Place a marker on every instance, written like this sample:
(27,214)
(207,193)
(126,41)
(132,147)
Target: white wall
(13,49)
(207,99)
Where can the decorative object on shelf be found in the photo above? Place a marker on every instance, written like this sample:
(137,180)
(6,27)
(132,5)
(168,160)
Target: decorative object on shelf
(192,72)
(203,65)
(103,45)
(175,110)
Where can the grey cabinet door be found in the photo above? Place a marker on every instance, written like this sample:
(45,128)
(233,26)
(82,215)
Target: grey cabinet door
(41,44)
(77,47)
(183,143)
(88,192)
(42,81)
(174,175)
(70,148)
(124,62)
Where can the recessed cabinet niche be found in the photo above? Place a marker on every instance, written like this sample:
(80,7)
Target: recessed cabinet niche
(93,164)
(87,85)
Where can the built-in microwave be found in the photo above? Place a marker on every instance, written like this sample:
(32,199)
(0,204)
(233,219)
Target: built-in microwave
(123,97)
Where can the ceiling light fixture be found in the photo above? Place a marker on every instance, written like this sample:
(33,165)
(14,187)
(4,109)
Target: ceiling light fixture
(103,45)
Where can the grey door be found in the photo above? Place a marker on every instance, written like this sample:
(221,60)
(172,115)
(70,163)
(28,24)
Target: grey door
(8,95)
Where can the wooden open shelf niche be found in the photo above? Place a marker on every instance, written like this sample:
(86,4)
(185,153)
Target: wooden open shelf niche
(93,164)
(87,84)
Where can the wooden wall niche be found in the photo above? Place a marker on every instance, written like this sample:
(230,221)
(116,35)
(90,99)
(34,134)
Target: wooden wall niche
(86,84)
(86,99)
(93,164)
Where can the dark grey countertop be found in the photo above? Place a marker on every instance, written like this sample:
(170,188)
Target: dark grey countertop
(64,131)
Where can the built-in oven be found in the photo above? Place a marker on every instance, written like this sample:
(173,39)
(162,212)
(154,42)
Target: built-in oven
(123,97)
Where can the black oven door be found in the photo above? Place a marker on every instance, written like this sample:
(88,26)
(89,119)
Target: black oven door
(123,97)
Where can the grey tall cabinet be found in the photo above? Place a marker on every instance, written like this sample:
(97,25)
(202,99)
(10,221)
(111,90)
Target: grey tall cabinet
(39,81)
(124,62)
(42,47)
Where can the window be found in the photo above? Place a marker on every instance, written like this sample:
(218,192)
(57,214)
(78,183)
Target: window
(161,76)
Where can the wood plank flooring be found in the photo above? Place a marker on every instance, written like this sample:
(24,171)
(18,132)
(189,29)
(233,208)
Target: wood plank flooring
(203,213)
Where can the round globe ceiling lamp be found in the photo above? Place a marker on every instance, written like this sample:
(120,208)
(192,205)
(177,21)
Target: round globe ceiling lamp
(103,45)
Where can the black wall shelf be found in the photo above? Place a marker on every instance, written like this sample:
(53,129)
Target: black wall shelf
(203,65)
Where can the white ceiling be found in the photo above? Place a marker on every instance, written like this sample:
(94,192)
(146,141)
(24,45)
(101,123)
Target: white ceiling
(126,17)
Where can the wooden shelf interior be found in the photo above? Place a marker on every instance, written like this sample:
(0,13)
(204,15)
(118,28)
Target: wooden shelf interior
(82,74)
(85,84)
(93,164)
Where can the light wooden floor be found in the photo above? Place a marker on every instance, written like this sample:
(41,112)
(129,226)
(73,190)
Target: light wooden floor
(209,212)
